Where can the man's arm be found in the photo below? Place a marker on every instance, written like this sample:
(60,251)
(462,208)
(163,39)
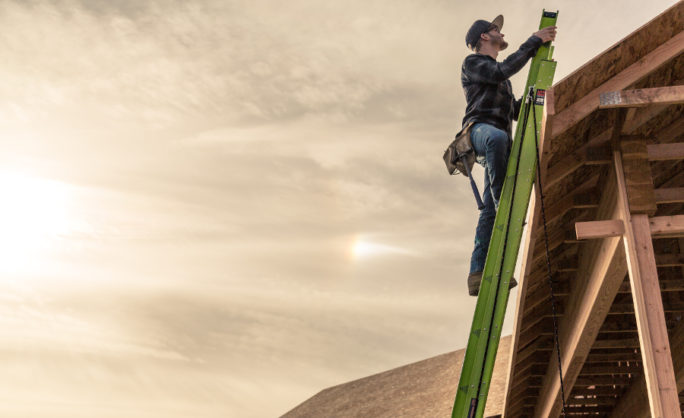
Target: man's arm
(483,69)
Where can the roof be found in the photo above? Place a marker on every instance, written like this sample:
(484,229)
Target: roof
(596,318)
(423,389)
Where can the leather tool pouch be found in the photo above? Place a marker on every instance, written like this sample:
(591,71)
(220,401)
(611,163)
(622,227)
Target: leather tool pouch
(459,148)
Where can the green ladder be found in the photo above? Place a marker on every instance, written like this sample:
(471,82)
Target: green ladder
(478,365)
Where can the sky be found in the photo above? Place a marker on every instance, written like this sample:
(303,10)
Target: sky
(219,208)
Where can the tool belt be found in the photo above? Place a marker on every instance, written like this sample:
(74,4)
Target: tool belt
(460,152)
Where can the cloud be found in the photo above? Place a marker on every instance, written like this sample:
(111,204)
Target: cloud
(223,156)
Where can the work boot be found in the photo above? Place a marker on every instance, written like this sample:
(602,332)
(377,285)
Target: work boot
(474,280)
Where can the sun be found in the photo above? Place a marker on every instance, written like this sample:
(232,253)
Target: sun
(362,247)
(33,213)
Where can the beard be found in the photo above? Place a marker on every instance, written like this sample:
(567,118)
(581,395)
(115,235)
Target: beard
(501,44)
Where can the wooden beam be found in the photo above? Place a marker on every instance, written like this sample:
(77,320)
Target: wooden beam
(599,229)
(582,197)
(602,269)
(669,195)
(609,369)
(637,117)
(670,260)
(638,176)
(642,97)
(585,155)
(667,226)
(634,403)
(613,355)
(628,308)
(678,357)
(660,226)
(673,285)
(648,306)
(627,77)
(598,391)
(656,152)
(664,152)
(617,343)
(557,237)
(548,115)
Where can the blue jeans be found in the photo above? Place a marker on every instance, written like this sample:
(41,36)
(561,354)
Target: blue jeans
(492,146)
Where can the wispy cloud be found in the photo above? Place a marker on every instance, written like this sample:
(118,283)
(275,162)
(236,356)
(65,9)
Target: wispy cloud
(221,158)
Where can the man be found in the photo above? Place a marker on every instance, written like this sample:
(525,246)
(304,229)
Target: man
(490,109)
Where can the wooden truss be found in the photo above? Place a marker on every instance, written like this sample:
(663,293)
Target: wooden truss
(613,175)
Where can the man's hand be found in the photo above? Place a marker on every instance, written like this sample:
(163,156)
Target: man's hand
(547,34)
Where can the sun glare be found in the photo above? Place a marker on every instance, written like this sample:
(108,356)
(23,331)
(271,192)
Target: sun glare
(363,248)
(33,213)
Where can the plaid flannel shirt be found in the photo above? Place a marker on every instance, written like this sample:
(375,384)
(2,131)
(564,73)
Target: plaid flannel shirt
(489,94)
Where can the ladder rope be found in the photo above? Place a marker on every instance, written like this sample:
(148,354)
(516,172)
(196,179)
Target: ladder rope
(548,261)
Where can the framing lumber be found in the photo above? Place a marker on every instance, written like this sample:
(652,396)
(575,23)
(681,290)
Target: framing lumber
(548,115)
(637,117)
(583,197)
(667,226)
(664,152)
(617,343)
(648,306)
(676,285)
(642,97)
(627,77)
(599,229)
(669,195)
(601,272)
(638,175)
(634,403)
(670,260)
(659,226)
(587,154)
(578,134)
(580,158)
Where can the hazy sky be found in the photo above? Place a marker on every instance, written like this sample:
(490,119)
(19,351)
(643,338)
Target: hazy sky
(218,208)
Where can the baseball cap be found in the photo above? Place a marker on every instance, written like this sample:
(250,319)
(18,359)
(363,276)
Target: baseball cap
(480,27)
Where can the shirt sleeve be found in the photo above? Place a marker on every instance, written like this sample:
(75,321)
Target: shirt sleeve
(483,69)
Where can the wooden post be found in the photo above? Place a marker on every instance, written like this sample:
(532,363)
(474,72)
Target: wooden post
(637,176)
(648,305)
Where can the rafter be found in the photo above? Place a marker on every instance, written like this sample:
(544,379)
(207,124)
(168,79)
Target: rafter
(669,195)
(575,160)
(627,77)
(642,97)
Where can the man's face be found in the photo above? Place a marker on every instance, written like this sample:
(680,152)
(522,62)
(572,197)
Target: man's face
(497,38)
